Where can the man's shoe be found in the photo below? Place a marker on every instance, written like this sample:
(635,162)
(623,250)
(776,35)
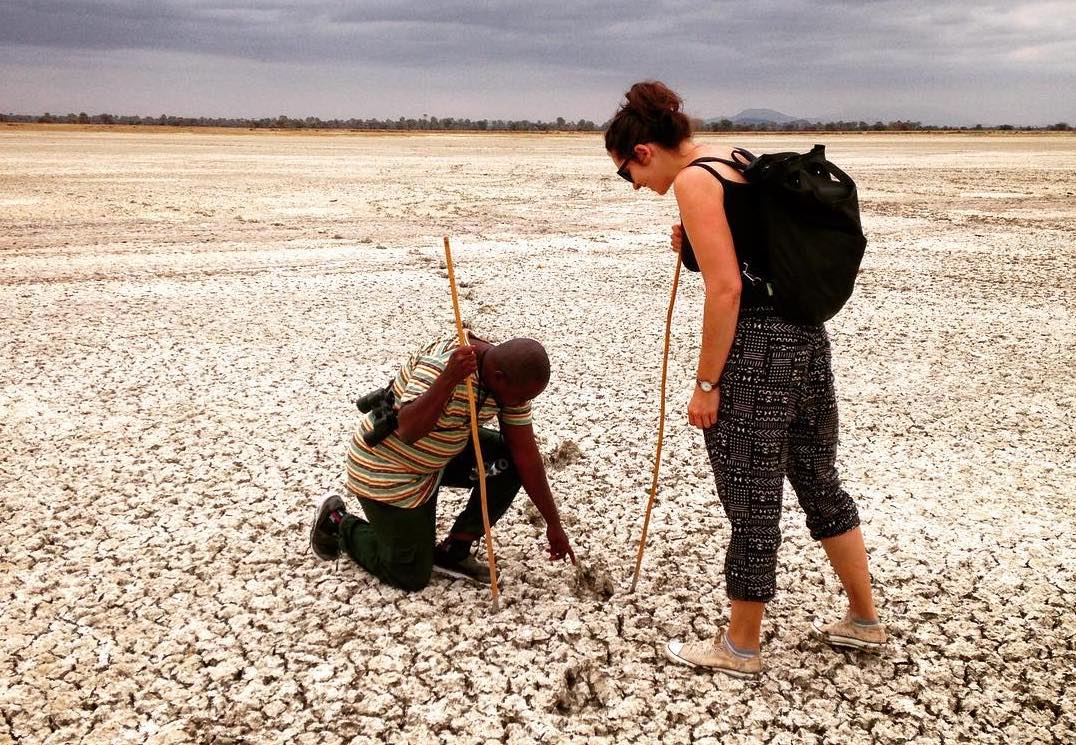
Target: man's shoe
(849,633)
(714,655)
(453,559)
(325,532)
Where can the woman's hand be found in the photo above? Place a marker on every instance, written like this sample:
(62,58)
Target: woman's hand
(702,409)
(676,238)
(462,363)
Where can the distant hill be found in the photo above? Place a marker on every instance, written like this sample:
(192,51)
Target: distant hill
(760,116)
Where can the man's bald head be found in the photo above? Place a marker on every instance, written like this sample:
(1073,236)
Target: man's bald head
(520,370)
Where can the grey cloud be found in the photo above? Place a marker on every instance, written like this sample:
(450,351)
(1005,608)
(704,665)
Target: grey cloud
(542,31)
(828,45)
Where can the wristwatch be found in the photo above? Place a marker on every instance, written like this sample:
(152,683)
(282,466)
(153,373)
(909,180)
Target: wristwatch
(706,385)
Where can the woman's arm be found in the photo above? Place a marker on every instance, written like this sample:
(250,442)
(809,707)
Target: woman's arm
(701,200)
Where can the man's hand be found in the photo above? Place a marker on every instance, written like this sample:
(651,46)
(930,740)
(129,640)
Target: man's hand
(558,544)
(676,238)
(418,417)
(462,363)
(702,409)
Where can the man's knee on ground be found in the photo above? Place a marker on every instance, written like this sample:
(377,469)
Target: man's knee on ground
(410,577)
(410,567)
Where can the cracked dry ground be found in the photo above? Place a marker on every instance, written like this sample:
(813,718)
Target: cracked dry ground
(185,316)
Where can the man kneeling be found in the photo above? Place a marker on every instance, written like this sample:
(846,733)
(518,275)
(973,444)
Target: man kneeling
(397,480)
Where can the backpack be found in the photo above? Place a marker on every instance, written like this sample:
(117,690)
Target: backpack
(810,230)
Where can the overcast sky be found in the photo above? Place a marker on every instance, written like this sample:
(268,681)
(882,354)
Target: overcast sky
(944,61)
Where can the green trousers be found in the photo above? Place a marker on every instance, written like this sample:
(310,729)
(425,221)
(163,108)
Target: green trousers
(396,544)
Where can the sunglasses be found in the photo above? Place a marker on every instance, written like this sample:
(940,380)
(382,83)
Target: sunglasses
(624,173)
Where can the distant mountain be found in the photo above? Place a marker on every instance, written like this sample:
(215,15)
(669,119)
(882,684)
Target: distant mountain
(760,116)
(754,116)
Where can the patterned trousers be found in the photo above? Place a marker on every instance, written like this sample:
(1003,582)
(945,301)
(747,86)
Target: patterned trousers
(777,417)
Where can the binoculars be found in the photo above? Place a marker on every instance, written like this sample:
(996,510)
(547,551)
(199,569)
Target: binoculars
(492,468)
(380,405)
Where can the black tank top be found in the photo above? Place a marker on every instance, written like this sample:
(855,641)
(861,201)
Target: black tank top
(742,212)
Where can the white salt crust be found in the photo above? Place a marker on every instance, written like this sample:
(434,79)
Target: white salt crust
(185,316)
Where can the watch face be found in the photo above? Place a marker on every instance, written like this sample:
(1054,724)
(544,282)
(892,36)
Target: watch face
(706,385)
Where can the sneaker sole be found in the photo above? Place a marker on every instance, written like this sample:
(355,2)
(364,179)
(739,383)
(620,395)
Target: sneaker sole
(694,665)
(317,519)
(456,574)
(849,642)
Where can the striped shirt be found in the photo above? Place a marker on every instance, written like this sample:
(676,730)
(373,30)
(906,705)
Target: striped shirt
(407,475)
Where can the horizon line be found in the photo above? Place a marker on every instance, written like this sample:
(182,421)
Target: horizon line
(452,123)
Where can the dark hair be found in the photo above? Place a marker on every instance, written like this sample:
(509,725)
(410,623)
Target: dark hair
(650,114)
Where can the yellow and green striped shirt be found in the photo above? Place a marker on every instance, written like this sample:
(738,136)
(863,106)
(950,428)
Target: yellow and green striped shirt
(406,475)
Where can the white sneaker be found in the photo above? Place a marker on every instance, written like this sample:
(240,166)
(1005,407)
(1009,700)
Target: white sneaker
(715,655)
(848,633)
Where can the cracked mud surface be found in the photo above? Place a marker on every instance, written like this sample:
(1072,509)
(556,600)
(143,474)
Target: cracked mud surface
(185,317)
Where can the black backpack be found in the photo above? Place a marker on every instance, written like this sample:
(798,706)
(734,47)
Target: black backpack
(810,230)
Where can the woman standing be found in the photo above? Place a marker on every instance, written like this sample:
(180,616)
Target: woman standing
(764,394)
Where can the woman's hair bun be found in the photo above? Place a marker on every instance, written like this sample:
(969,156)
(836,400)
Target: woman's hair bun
(651,113)
(653,99)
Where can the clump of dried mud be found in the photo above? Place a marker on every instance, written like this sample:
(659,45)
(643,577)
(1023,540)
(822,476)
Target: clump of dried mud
(564,454)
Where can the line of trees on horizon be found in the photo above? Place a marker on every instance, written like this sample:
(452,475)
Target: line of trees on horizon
(560,124)
(312,122)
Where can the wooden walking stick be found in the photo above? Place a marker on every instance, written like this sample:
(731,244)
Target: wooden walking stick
(661,427)
(474,437)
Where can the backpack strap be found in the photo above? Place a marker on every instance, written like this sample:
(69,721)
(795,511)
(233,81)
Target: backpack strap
(701,163)
(747,156)
(741,159)
(726,161)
